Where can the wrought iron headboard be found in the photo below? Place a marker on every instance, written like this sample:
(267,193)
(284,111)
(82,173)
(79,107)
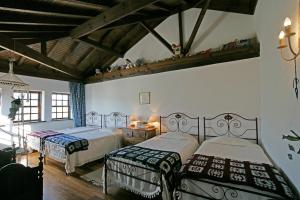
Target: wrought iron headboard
(117,119)
(93,119)
(231,124)
(180,122)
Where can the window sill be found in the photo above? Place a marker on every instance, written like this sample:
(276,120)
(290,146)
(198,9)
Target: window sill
(33,122)
(55,120)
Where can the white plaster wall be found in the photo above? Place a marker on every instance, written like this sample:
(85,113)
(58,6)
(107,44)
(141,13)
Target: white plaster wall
(201,91)
(47,86)
(216,29)
(280,111)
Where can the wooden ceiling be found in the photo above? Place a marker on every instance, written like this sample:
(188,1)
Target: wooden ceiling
(68,39)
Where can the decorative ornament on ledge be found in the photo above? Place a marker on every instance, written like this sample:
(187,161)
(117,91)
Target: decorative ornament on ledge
(284,35)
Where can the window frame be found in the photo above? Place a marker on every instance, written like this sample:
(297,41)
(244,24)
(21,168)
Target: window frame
(62,106)
(39,106)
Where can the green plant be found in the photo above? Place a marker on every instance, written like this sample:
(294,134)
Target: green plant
(15,105)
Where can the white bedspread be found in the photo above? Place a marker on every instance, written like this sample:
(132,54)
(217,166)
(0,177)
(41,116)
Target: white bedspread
(184,144)
(101,142)
(34,142)
(232,148)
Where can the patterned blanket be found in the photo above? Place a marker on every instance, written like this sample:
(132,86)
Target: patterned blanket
(69,142)
(258,175)
(166,161)
(43,134)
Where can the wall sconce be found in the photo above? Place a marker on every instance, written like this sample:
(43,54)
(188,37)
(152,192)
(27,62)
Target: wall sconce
(284,35)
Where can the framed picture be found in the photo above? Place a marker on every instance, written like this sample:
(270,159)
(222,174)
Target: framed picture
(144,98)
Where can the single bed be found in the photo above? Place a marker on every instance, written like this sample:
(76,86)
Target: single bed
(178,139)
(100,142)
(219,168)
(93,124)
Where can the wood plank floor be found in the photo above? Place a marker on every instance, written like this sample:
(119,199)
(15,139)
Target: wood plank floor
(58,186)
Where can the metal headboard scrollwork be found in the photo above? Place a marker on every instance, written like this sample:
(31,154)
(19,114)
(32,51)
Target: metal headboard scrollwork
(93,119)
(231,124)
(115,119)
(180,122)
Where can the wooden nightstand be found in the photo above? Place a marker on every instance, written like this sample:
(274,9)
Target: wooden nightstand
(133,136)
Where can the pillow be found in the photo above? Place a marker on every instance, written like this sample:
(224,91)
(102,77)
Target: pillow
(230,141)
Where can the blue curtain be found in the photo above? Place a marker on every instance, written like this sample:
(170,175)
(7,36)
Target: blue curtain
(77,91)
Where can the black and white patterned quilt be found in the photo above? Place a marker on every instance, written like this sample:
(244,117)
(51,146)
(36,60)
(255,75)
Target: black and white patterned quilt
(166,161)
(69,142)
(258,175)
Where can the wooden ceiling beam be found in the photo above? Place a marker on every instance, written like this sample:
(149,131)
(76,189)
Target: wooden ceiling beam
(14,19)
(99,46)
(86,4)
(157,36)
(196,27)
(180,28)
(30,70)
(41,13)
(28,28)
(35,34)
(109,16)
(22,50)
(63,8)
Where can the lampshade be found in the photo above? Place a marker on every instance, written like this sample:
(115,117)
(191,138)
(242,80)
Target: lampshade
(10,79)
(133,118)
(153,118)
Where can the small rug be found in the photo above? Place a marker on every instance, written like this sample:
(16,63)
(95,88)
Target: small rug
(94,177)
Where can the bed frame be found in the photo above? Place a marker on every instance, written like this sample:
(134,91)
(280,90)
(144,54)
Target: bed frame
(19,182)
(175,122)
(94,119)
(116,119)
(231,125)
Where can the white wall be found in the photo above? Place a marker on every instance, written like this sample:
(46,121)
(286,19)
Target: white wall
(201,91)
(216,29)
(280,111)
(47,86)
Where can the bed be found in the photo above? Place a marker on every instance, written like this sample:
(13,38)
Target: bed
(93,124)
(100,142)
(150,172)
(230,165)
(17,181)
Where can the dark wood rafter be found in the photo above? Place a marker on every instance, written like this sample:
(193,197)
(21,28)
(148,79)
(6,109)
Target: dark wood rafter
(99,46)
(180,63)
(157,36)
(22,50)
(196,27)
(180,28)
(44,48)
(63,8)
(86,4)
(30,70)
(109,16)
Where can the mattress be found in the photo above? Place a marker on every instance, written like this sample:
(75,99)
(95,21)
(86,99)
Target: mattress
(183,144)
(101,142)
(225,147)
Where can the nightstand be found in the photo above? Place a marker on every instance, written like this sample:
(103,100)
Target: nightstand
(132,136)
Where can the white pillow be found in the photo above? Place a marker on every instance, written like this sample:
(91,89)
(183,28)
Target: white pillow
(231,141)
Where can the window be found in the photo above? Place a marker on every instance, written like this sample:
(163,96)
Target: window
(60,106)
(31,110)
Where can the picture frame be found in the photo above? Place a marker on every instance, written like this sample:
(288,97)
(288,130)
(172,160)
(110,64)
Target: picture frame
(144,98)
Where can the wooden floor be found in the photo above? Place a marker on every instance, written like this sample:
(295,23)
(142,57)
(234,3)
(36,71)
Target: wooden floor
(58,186)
